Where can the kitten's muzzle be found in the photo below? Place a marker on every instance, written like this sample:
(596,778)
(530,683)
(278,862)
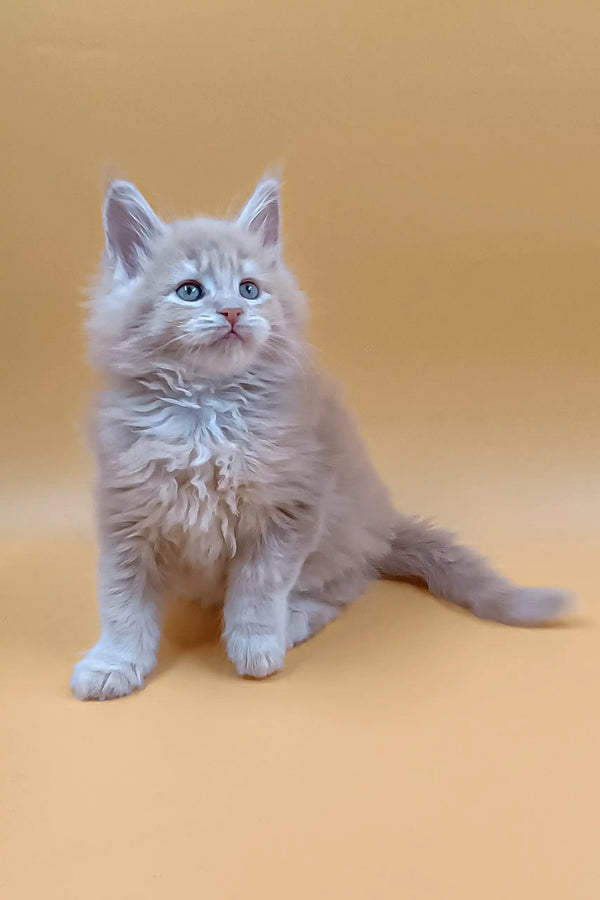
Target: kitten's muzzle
(231,314)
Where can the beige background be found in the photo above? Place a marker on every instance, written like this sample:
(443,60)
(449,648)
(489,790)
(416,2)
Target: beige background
(442,210)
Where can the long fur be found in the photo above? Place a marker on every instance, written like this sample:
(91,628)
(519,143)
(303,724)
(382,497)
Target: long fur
(229,470)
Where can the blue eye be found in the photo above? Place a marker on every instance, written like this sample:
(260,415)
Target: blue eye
(249,290)
(190,291)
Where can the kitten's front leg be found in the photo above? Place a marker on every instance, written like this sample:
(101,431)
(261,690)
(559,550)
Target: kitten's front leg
(128,604)
(261,577)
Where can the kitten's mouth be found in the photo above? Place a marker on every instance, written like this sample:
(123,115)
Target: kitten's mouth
(232,335)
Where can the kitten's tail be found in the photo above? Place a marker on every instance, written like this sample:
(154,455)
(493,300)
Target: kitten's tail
(457,573)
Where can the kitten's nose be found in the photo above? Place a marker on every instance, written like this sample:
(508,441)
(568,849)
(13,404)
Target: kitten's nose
(232,315)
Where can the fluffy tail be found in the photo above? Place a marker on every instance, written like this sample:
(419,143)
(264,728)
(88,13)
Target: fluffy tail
(456,573)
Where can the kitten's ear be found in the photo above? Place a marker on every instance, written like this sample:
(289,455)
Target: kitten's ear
(130,226)
(261,213)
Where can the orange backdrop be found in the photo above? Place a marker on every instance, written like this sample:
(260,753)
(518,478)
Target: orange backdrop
(441,206)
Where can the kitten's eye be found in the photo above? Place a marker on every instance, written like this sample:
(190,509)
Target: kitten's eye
(249,290)
(190,291)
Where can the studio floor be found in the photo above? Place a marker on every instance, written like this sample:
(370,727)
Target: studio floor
(409,750)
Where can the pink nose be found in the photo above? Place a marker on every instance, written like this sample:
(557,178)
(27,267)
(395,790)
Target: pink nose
(232,315)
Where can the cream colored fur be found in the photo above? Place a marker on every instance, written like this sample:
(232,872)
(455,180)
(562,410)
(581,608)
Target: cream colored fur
(228,469)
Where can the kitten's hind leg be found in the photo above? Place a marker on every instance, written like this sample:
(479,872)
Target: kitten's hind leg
(309,611)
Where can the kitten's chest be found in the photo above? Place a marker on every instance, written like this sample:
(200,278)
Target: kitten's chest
(202,491)
(203,472)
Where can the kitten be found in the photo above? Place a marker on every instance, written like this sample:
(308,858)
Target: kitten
(228,469)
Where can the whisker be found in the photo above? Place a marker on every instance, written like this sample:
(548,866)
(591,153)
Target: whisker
(280,349)
(173,340)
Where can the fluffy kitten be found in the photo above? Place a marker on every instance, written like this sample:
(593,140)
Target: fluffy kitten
(228,469)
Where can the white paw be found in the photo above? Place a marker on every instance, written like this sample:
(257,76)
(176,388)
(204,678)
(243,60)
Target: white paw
(102,675)
(255,655)
(298,628)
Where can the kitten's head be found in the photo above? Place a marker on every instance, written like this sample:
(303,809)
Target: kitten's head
(203,298)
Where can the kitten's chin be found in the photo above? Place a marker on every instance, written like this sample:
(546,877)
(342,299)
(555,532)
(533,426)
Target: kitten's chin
(228,356)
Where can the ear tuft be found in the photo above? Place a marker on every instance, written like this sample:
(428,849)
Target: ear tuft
(261,213)
(130,227)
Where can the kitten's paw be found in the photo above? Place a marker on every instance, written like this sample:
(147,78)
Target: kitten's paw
(102,676)
(255,655)
(298,628)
